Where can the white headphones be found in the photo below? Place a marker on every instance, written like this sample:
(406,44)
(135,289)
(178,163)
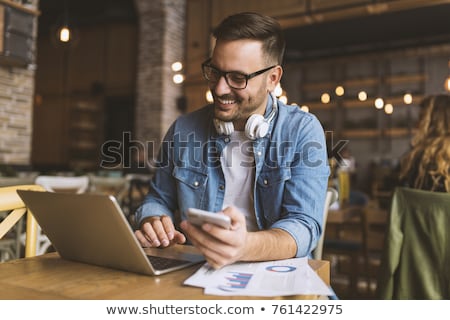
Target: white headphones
(256,126)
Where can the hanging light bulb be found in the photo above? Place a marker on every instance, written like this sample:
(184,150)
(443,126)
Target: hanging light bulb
(64,34)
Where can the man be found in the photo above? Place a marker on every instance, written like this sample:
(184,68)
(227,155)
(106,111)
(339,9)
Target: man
(262,163)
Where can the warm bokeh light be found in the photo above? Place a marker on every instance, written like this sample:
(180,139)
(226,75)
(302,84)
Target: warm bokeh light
(325,98)
(64,34)
(283,99)
(388,108)
(304,108)
(339,91)
(278,90)
(362,96)
(447,84)
(209,96)
(379,103)
(407,98)
(177,66)
(178,78)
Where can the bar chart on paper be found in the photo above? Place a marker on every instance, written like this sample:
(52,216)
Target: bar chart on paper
(236,280)
(266,279)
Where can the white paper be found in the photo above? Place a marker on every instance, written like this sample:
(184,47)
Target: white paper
(266,279)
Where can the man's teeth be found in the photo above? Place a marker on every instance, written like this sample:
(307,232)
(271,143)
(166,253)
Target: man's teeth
(222,101)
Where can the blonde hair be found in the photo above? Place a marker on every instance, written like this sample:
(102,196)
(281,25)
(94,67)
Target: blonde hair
(429,157)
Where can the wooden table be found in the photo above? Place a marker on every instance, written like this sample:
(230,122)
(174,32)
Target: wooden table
(50,277)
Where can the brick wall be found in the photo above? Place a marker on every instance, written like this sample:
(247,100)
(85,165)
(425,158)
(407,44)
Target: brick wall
(16,108)
(16,92)
(161,42)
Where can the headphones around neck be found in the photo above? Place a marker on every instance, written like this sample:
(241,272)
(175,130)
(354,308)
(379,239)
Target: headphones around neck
(256,126)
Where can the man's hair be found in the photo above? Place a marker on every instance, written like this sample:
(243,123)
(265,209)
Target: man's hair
(250,25)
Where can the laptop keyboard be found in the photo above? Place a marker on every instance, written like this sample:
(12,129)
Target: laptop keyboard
(162,263)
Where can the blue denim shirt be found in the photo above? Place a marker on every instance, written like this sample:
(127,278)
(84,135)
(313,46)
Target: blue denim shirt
(290,181)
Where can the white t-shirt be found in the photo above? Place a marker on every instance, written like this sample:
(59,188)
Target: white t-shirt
(238,165)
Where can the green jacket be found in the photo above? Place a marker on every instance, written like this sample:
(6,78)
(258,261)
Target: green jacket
(416,259)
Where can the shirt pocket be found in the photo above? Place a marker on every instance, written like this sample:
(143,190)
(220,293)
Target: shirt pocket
(270,188)
(191,186)
(273,177)
(190,177)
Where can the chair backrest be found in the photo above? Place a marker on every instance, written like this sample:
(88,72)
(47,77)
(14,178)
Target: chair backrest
(78,184)
(11,202)
(331,197)
(416,252)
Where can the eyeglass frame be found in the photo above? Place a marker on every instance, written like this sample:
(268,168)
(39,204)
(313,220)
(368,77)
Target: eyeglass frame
(225,73)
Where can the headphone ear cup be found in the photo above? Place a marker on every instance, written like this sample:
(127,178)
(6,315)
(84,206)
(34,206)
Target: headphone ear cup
(223,127)
(256,127)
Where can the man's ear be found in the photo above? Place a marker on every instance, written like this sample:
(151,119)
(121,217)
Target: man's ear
(274,77)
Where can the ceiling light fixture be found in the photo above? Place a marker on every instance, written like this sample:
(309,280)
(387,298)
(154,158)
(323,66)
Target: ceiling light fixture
(64,32)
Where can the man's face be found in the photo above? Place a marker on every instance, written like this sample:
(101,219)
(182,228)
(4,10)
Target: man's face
(237,105)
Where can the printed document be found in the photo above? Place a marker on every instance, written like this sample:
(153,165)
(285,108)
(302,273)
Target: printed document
(265,279)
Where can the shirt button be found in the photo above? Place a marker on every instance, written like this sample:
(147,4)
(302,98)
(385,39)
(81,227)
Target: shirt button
(221,187)
(259,153)
(196,183)
(227,139)
(266,182)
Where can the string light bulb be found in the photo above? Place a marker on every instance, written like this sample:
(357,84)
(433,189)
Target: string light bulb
(379,103)
(177,66)
(278,91)
(325,98)
(339,91)
(407,98)
(362,96)
(388,108)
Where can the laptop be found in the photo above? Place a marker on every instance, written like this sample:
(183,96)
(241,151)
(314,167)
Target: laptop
(92,229)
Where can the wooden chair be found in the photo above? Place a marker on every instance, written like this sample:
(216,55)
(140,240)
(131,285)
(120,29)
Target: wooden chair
(332,196)
(11,203)
(78,184)
(347,241)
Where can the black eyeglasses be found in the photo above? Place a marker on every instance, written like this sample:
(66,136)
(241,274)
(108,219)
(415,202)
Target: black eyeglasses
(235,79)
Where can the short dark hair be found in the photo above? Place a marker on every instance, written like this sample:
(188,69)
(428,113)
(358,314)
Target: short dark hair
(251,25)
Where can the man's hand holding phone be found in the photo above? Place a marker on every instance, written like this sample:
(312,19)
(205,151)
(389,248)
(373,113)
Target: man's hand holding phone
(199,217)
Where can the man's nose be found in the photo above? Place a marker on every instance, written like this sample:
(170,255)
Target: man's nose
(222,86)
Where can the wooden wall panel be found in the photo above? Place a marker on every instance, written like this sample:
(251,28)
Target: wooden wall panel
(121,49)
(87,60)
(198,29)
(221,9)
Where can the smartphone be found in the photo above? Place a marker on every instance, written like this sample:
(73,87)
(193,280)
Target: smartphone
(199,217)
